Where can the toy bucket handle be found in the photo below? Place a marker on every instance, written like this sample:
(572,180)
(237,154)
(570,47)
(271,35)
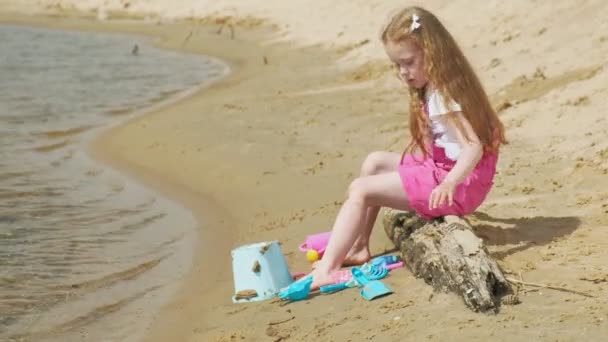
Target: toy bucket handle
(304,248)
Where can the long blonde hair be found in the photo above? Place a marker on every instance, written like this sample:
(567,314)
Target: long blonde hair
(448,70)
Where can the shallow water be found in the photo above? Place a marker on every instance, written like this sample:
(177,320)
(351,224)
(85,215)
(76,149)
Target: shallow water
(85,254)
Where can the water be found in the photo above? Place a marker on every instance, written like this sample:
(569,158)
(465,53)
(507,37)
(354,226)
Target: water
(85,254)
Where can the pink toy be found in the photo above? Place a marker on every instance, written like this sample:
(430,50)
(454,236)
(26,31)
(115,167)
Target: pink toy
(318,242)
(394,266)
(298,275)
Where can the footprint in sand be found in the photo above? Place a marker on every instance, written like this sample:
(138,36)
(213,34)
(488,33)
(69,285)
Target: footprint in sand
(524,88)
(326,208)
(277,223)
(348,48)
(494,63)
(580,101)
(315,168)
(234,107)
(370,71)
(320,165)
(93,172)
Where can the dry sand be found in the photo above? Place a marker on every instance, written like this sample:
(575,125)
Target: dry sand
(268,152)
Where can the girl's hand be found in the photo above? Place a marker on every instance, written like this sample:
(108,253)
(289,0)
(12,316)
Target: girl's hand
(442,194)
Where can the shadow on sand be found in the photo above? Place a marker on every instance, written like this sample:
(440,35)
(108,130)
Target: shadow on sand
(523,232)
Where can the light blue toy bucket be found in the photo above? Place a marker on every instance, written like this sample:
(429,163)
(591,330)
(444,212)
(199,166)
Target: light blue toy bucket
(259,267)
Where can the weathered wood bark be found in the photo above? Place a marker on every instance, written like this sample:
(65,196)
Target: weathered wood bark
(448,256)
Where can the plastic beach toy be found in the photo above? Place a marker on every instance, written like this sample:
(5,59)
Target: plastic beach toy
(371,288)
(385,260)
(260,271)
(298,290)
(343,279)
(312,255)
(331,288)
(371,272)
(394,266)
(318,242)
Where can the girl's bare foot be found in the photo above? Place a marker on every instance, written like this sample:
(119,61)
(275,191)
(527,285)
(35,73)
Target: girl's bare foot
(322,278)
(357,255)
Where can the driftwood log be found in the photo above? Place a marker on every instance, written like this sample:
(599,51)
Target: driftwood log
(448,256)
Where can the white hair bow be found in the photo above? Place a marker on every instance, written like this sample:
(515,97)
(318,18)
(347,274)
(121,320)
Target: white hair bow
(415,23)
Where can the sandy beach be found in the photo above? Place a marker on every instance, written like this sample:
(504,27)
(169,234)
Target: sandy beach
(267,153)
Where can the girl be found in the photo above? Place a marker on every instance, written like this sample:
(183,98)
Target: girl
(449,165)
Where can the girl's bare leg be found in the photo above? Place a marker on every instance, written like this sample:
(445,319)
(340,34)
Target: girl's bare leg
(383,190)
(375,163)
(359,253)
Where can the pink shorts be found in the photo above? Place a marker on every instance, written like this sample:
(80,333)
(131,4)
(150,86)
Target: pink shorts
(420,175)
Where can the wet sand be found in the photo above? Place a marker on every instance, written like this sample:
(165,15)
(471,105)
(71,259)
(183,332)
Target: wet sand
(267,153)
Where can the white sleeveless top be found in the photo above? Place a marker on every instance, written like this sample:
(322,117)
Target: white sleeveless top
(444,136)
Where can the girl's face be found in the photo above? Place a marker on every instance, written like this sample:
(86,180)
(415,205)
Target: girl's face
(409,60)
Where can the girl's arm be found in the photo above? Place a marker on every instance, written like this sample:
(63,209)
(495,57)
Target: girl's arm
(469,156)
(471,151)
